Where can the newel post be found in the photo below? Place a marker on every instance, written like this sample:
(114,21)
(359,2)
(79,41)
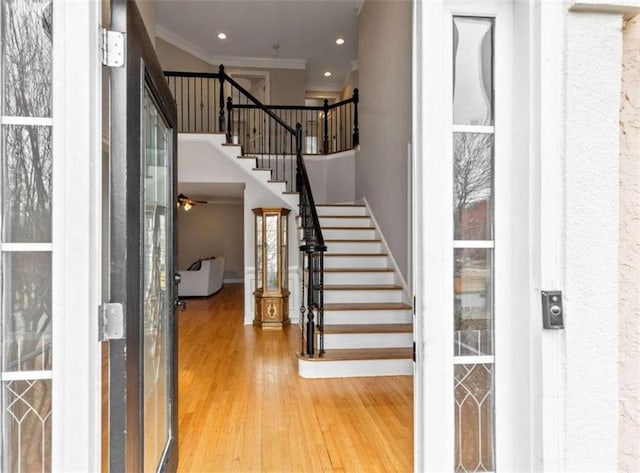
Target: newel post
(221,76)
(325,142)
(229,121)
(356,131)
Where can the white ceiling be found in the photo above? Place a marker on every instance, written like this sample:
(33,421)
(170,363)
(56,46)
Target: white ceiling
(213,192)
(306,31)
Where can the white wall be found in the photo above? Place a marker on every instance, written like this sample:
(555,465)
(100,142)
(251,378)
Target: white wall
(384,81)
(332,177)
(201,160)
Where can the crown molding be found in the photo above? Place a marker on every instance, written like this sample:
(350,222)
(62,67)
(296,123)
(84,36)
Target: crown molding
(261,62)
(355,65)
(359,7)
(231,61)
(178,42)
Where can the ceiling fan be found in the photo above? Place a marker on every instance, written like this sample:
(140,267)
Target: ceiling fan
(186,203)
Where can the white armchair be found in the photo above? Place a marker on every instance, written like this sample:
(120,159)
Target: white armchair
(203,282)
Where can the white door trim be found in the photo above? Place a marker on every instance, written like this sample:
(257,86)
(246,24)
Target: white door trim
(76,260)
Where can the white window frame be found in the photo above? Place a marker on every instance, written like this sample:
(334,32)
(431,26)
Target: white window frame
(433,251)
(76,238)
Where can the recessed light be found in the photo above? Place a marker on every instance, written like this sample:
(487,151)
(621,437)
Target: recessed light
(327,74)
(340,41)
(222,36)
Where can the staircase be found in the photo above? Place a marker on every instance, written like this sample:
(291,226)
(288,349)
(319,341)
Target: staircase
(367,321)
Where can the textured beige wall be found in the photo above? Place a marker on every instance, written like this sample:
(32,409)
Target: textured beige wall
(288,86)
(213,230)
(173,58)
(629,252)
(384,48)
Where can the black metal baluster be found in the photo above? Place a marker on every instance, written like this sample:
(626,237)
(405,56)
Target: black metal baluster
(325,145)
(229,120)
(356,130)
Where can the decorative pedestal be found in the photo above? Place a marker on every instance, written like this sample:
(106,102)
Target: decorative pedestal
(272,311)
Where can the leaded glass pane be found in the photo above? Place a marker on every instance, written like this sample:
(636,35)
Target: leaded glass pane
(472,71)
(259,242)
(26,311)
(473,186)
(473,394)
(26,66)
(158,306)
(26,183)
(26,421)
(473,302)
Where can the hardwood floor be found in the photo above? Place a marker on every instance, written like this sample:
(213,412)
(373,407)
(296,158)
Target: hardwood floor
(243,407)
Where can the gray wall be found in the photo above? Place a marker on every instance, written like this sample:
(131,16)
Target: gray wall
(384,81)
(212,230)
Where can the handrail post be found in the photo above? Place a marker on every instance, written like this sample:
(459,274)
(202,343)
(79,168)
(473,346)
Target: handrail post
(221,99)
(356,131)
(325,141)
(229,121)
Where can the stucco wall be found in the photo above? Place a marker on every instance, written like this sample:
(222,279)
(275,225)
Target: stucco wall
(384,50)
(592,138)
(213,230)
(629,280)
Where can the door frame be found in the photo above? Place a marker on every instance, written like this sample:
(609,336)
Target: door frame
(142,69)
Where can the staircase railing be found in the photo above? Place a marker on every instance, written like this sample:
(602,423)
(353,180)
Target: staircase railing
(281,147)
(203,105)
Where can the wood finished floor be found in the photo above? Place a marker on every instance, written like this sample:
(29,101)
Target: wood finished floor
(243,407)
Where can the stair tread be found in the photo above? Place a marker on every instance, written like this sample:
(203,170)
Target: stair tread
(362,287)
(355,254)
(276,181)
(367,306)
(363,354)
(339,205)
(368,328)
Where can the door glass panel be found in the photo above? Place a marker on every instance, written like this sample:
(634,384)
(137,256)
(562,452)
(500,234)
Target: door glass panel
(472,71)
(25,235)
(26,184)
(474,417)
(474,245)
(157,303)
(473,186)
(473,302)
(284,257)
(26,321)
(27,56)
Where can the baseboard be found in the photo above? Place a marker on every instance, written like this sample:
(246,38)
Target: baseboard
(233,280)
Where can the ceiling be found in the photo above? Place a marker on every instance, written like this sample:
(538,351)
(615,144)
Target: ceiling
(227,193)
(305,30)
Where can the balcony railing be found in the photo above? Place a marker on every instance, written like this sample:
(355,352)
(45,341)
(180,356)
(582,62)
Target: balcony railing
(208,103)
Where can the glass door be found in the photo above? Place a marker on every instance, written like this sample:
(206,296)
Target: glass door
(142,365)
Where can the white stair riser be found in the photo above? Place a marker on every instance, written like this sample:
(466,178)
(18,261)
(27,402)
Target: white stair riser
(355,262)
(383,277)
(344,222)
(340,210)
(354,368)
(353,246)
(338,317)
(349,234)
(367,340)
(362,296)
